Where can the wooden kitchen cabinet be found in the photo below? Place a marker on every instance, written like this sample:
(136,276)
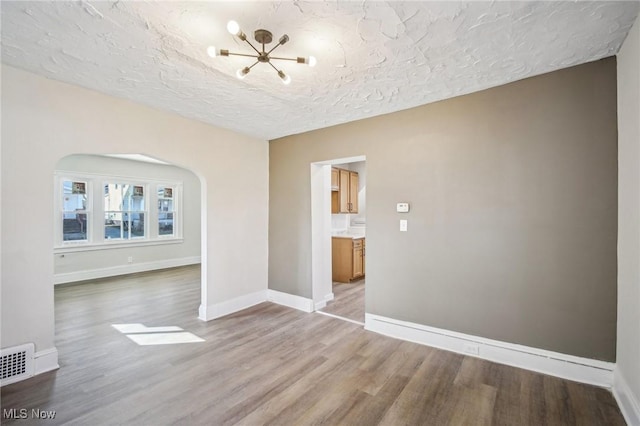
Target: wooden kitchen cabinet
(344,199)
(335,179)
(348,259)
(358,258)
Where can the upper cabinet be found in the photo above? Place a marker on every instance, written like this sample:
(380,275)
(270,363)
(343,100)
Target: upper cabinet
(344,197)
(335,179)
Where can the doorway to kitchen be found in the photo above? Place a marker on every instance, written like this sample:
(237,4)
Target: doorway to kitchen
(338,214)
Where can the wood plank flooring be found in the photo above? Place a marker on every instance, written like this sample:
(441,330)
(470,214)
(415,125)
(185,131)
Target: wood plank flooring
(348,301)
(272,365)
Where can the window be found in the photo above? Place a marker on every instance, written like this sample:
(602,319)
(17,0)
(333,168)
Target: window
(96,211)
(124,211)
(75,219)
(166,212)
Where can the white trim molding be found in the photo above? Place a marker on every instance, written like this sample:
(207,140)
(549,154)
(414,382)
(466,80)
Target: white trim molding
(211,312)
(46,360)
(319,305)
(208,313)
(290,300)
(322,303)
(131,268)
(585,370)
(628,402)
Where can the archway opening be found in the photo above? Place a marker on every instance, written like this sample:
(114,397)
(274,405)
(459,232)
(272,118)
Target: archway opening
(119,214)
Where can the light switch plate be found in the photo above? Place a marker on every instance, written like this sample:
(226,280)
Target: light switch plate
(402,207)
(403,225)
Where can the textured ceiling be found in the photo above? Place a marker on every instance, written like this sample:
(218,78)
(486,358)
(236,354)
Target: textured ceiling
(373,57)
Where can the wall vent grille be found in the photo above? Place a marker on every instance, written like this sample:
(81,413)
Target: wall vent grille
(16,363)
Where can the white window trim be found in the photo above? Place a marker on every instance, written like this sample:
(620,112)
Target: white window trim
(177,212)
(116,244)
(146,196)
(96,213)
(59,209)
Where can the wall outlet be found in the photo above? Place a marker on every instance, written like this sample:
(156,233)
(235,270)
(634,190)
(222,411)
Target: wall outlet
(471,348)
(403,225)
(130,259)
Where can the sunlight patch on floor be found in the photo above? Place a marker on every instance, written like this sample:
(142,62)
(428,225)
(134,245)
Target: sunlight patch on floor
(164,338)
(169,335)
(141,328)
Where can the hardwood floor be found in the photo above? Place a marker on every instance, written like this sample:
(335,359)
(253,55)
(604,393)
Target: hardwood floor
(272,365)
(348,301)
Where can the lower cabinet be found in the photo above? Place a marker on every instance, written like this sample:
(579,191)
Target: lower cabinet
(348,259)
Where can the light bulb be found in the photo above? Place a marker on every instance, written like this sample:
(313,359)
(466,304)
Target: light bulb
(233,27)
(285,78)
(312,61)
(211,51)
(242,72)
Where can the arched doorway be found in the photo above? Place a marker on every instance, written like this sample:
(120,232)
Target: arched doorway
(159,223)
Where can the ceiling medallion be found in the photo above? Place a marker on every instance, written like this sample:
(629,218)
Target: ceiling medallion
(263,37)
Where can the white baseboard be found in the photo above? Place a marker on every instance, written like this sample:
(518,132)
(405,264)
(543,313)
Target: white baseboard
(628,402)
(585,370)
(46,360)
(130,268)
(208,313)
(323,303)
(291,300)
(319,305)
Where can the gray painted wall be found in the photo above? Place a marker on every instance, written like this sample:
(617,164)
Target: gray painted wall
(512,229)
(107,259)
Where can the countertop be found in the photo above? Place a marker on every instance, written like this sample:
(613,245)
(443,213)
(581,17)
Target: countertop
(350,236)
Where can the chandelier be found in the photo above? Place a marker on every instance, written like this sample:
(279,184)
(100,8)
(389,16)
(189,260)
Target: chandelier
(263,37)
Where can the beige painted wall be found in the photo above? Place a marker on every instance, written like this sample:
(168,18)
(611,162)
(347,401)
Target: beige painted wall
(512,228)
(628,363)
(44,120)
(72,266)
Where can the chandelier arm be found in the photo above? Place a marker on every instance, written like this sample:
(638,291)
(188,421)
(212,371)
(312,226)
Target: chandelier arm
(274,47)
(272,66)
(254,64)
(283,59)
(242,54)
(257,51)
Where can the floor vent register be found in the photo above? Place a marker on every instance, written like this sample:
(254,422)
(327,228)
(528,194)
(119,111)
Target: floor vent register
(17,363)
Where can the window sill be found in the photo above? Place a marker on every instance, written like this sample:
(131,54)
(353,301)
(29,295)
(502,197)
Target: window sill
(108,245)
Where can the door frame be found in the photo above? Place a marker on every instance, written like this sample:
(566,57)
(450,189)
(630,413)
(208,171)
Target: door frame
(321,281)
